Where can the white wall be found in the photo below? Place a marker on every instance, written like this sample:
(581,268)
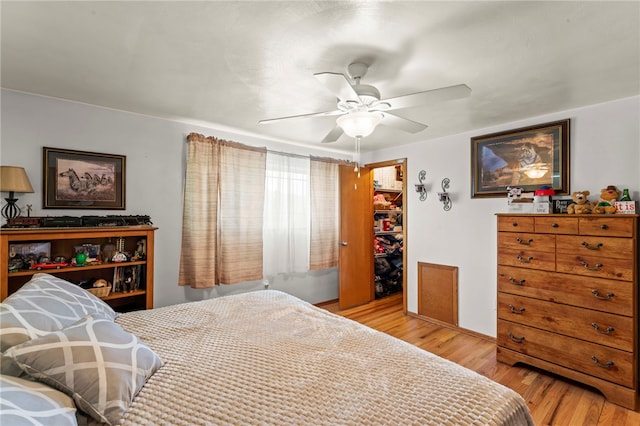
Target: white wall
(155,151)
(604,150)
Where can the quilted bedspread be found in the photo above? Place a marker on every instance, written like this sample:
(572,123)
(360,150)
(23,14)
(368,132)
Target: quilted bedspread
(267,358)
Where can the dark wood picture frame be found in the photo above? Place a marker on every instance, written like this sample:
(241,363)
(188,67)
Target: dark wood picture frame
(528,158)
(83,180)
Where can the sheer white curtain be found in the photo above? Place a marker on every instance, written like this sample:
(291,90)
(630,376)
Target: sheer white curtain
(286,227)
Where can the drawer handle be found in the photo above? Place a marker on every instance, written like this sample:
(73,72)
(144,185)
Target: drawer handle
(608,364)
(596,293)
(528,259)
(516,311)
(609,330)
(590,247)
(523,242)
(591,268)
(516,339)
(514,224)
(554,225)
(516,282)
(604,226)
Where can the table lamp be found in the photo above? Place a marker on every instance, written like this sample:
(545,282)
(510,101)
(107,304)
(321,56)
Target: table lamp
(13,179)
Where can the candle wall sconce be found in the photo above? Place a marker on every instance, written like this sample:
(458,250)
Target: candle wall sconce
(443,196)
(421,188)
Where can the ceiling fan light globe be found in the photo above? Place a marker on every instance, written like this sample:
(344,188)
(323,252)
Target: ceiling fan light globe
(361,123)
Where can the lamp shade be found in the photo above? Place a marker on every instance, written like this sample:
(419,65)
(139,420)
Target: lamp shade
(359,123)
(14,179)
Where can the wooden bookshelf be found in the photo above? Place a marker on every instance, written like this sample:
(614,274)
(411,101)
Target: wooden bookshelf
(62,242)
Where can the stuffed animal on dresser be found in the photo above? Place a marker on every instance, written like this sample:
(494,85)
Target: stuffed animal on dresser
(581,204)
(606,203)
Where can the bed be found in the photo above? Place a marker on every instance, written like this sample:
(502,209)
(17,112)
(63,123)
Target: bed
(258,358)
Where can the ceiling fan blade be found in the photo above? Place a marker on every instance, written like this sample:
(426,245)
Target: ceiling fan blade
(333,135)
(405,124)
(428,97)
(315,114)
(339,85)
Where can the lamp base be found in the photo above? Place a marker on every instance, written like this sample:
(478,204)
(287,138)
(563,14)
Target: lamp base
(10,210)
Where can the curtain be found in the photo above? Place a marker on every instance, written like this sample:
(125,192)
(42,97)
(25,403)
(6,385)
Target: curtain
(200,213)
(222,213)
(324,214)
(242,174)
(286,214)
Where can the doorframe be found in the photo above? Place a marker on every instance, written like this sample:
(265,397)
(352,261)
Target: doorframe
(403,163)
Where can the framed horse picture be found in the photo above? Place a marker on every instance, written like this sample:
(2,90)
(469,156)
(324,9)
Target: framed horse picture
(528,158)
(83,180)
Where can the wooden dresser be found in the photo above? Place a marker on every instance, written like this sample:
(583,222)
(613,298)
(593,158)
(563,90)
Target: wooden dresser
(568,298)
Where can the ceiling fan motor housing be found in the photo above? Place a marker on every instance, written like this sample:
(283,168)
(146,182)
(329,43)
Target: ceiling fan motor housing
(357,70)
(368,94)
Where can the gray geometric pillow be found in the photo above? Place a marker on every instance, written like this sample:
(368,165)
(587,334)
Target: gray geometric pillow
(24,402)
(45,304)
(97,363)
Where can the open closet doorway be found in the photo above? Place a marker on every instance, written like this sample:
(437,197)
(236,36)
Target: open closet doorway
(372,233)
(389,228)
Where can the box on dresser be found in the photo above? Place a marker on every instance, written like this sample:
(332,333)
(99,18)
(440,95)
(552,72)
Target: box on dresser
(568,298)
(626,207)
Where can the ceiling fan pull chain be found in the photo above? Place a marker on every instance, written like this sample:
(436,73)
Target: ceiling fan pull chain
(356,156)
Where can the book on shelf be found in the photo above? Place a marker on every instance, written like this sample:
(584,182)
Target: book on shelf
(127,278)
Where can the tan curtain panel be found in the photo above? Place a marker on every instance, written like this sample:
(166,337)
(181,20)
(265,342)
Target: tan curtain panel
(324,214)
(222,222)
(242,173)
(200,213)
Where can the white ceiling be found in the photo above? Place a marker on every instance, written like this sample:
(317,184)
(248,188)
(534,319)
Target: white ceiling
(234,63)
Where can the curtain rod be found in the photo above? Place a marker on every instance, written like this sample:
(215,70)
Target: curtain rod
(201,138)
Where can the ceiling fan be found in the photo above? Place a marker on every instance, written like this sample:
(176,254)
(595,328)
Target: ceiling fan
(360,108)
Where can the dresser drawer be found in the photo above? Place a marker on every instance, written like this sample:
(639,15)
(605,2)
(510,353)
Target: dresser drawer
(596,360)
(609,226)
(595,266)
(591,293)
(518,240)
(598,327)
(556,225)
(543,260)
(515,224)
(621,248)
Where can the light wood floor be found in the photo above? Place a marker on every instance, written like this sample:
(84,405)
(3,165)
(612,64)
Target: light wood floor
(551,399)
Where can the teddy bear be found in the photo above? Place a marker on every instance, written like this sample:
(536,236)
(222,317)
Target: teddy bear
(606,203)
(581,204)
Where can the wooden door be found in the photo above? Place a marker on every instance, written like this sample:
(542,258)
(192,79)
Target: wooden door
(355,261)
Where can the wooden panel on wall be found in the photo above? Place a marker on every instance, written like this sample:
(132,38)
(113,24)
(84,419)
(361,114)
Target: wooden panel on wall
(438,292)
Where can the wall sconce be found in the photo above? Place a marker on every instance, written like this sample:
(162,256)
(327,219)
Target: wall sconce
(421,188)
(443,196)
